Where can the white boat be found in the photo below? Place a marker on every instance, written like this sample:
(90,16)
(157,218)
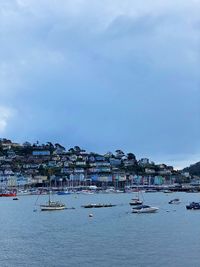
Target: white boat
(87,192)
(52,205)
(144,209)
(167,191)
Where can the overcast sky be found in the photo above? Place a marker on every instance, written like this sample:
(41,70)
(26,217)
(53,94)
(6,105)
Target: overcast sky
(103,75)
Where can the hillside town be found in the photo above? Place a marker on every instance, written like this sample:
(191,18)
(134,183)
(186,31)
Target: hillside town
(33,165)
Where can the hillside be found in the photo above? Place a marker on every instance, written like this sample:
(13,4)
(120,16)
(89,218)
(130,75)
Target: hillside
(194,169)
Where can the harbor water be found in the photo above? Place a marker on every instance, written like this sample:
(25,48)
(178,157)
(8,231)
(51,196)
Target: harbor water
(111,237)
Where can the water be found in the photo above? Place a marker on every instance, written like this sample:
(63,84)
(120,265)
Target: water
(112,237)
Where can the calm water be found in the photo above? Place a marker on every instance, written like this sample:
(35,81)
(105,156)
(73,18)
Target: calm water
(113,237)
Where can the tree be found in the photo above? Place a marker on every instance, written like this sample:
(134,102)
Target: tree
(58,145)
(77,149)
(71,150)
(119,153)
(131,156)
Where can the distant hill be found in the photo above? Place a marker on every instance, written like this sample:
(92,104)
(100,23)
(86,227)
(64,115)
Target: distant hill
(194,169)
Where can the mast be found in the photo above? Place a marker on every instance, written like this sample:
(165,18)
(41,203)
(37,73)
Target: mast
(49,197)
(50,191)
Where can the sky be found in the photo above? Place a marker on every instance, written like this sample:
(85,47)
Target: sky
(103,75)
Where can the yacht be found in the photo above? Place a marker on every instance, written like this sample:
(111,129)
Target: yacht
(144,209)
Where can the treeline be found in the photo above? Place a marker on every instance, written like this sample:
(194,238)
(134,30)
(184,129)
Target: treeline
(193,169)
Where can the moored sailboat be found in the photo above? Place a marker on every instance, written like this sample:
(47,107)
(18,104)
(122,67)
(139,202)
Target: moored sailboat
(52,205)
(136,201)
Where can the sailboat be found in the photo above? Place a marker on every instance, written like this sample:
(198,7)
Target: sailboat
(136,201)
(52,205)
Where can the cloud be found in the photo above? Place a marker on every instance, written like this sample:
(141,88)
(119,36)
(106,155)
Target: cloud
(103,74)
(5,115)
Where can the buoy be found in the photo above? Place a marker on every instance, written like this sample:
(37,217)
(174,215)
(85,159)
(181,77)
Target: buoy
(90,215)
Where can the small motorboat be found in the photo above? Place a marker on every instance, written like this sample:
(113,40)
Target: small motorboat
(193,206)
(175,201)
(144,209)
(15,198)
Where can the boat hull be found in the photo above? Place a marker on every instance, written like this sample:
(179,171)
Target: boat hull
(145,210)
(8,195)
(193,206)
(49,208)
(174,201)
(90,206)
(63,193)
(136,203)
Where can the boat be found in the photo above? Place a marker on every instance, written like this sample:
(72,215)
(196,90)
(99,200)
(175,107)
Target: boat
(167,191)
(193,206)
(63,193)
(15,198)
(8,194)
(87,192)
(52,205)
(151,191)
(136,201)
(175,201)
(144,209)
(100,205)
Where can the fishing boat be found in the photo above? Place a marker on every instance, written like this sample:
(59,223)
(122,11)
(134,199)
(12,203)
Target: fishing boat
(52,205)
(175,201)
(144,209)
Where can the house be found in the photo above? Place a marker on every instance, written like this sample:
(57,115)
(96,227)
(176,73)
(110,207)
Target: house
(143,161)
(159,180)
(41,153)
(39,179)
(77,177)
(119,176)
(59,150)
(115,162)
(149,171)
